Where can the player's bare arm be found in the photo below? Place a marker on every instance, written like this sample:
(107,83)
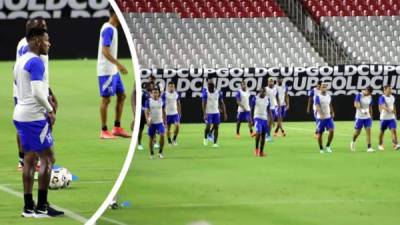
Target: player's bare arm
(332,111)
(107,53)
(147,115)
(178,103)
(309,105)
(287,101)
(204,106)
(223,109)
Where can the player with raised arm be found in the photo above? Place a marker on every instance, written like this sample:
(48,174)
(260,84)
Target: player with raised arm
(363,105)
(23,48)
(173,110)
(324,114)
(280,112)
(272,94)
(155,118)
(388,117)
(110,82)
(243,114)
(262,114)
(34,117)
(213,105)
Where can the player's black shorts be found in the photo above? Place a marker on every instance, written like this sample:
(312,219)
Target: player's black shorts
(142,120)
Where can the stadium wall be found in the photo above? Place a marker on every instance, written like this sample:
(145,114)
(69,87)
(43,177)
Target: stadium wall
(74,27)
(344,81)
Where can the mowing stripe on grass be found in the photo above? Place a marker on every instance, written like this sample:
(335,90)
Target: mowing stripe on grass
(68,213)
(112,221)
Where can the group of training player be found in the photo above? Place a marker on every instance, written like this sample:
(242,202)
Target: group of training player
(263,111)
(36,106)
(162,109)
(321,103)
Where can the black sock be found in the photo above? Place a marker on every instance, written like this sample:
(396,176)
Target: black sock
(320,147)
(21,155)
(369,145)
(42,198)
(160,151)
(104,128)
(175,137)
(276,130)
(251,131)
(28,201)
(328,144)
(169,140)
(117,123)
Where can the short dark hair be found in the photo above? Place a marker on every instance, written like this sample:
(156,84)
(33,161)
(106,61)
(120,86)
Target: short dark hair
(319,82)
(35,23)
(35,32)
(111,11)
(386,86)
(369,89)
(169,83)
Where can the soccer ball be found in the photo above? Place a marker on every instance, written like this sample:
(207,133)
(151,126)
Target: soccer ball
(57,179)
(67,177)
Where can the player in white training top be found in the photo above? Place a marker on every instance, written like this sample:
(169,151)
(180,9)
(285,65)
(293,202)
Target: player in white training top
(110,82)
(324,114)
(310,103)
(23,48)
(363,105)
(280,112)
(243,113)
(173,110)
(213,105)
(155,117)
(262,114)
(33,118)
(388,117)
(272,94)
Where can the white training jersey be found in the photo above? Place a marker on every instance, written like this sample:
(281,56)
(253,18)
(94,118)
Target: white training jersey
(108,38)
(243,98)
(156,110)
(212,101)
(313,93)
(23,48)
(261,107)
(365,103)
(324,101)
(171,102)
(28,68)
(272,93)
(282,90)
(388,101)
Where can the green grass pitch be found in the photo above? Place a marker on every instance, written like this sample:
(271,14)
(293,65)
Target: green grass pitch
(294,185)
(77,145)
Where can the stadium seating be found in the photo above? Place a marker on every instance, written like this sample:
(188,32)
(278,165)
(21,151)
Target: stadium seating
(373,39)
(367,31)
(215,33)
(323,8)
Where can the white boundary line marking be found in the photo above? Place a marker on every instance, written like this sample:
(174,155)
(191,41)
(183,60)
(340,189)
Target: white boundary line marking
(131,152)
(68,213)
(276,202)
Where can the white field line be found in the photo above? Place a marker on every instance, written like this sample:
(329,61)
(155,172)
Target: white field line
(67,212)
(277,202)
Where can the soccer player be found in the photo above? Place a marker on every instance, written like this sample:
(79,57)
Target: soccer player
(155,118)
(388,117)
(324,114)
(34,117)
(173,111)
(110,82)
(213,105)
(272,94)
(310,103)
(146,90)
(243,114)
(363,105)
(280,112)
(261,114)
(23,48)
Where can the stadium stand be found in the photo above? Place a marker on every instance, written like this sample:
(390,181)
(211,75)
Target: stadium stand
(216,33)
(367,31)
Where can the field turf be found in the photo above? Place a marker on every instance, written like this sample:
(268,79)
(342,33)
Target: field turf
(77,145)
(294,185)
